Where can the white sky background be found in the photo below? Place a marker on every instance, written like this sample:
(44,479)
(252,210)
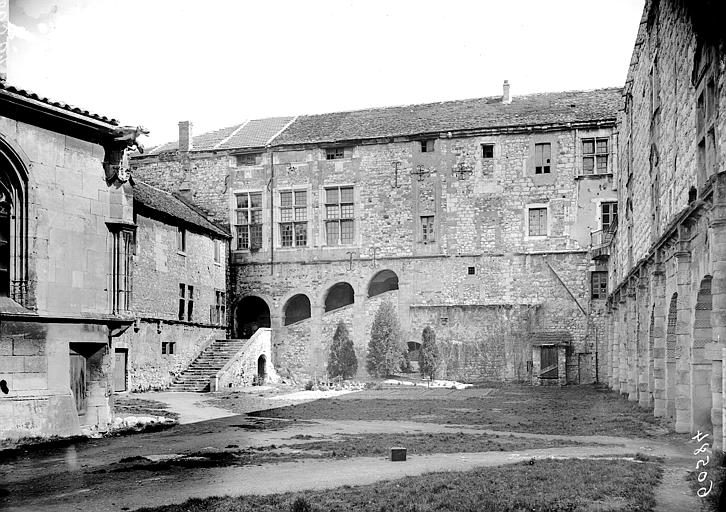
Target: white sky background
(217,63)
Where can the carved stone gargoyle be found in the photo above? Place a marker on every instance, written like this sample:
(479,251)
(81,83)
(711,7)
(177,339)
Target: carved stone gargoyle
(116,162)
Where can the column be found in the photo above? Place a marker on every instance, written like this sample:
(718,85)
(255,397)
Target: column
(657,284)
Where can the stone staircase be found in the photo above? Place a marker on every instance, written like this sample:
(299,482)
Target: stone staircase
(196,377)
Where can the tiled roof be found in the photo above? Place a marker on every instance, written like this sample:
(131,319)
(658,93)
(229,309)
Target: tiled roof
(250,134)
(23,93)
(472,114)
(173,206)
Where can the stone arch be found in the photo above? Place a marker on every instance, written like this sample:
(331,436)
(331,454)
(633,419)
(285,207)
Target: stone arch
(296,308)
(250,313)
(261,370)
(339,295)
(701,397)
(670,359)
(384,281)
(13,221)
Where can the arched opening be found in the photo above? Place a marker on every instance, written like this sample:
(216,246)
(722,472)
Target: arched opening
(670,366)
(13,218)
(339,295)
(296,309)
(384,281)
(701,398)
(414,355)
(261,371)
(251,314)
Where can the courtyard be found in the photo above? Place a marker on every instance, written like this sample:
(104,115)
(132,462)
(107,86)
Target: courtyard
(271,448)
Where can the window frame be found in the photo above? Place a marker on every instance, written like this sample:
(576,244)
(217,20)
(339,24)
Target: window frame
(530,209)
(181,240)
(340,219)
(596,156)
(427,146)
(427,235)
(335,153)
(707,100)
(247,159)
(293,223)
(253,231)
(487,146)
(120,285)
(612,215)
(601,276)
(545,169)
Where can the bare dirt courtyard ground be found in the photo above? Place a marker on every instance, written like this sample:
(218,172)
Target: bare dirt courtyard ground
(289,444)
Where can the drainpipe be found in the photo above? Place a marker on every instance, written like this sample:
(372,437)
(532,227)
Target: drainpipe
(270,186)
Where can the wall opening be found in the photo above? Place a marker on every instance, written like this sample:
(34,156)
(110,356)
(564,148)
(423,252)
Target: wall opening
(339,295)
(296,309)
(414,355)
(384,281)
(701,397)
(13,219)
(261,373)
(251,314)
(670,369)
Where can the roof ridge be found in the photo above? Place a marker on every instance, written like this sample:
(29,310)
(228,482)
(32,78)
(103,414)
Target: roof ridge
(236,130)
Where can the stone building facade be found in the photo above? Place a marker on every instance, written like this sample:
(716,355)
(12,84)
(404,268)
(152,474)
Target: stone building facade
(177,290)
(474,217)
(667,259)
(62,197)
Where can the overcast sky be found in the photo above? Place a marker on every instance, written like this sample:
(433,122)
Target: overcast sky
(217,63)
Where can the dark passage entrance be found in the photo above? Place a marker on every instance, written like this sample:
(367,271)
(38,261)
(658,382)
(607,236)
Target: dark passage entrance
(297,309)
(339,295)
(78,381)
(261,374)
(384,281)
(251,314)
(548,363)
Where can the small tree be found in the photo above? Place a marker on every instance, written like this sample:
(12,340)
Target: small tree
(385,350)
(429,357)
(342,361)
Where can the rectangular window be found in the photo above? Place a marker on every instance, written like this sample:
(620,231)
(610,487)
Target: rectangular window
(538,222)
(487,150)
(249,220)
(542,158)
(190,302)
(168,347)
(599,285)
(181,239)
(706,112)
(595,156)
(427,146)
(609,215)
(427,228)
(293,218)
(471,271)
(182,300)
(248,159)
(339,216)
(120,279)
(219,308)
(334,153)
(218,251)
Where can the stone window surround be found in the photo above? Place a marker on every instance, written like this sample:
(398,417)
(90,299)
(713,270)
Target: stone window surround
(532,206)
(277,236)
(233,216)
(598,208)
(595,133)
(323,242)
(543,138)
(181,240)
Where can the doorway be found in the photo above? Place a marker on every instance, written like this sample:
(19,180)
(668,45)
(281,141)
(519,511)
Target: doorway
(261,373)
(119,370)
(78,382)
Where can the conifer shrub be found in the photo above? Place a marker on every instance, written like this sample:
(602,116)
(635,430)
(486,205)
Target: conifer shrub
(385,349)
(342,361)
(429,357)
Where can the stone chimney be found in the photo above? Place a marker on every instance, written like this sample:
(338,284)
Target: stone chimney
(4,24)
(185,135)
(506,98)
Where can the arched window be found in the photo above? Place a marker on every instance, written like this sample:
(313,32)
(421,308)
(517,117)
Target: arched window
(13,215)
(296,309)
(339,295)
(384,281)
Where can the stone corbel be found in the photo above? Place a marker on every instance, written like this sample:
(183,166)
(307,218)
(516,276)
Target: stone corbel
(116,161)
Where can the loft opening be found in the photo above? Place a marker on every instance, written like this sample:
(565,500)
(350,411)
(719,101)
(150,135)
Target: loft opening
(339,295)
(384,281)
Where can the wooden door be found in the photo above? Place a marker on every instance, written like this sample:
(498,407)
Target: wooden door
(548,363)
(78,381)
(119,370)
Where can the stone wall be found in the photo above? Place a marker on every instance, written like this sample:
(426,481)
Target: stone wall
(243,369)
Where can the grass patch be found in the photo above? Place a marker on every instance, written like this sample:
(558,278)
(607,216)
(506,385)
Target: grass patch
(581,410)
(370,445)
(549,485)
(132,406)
